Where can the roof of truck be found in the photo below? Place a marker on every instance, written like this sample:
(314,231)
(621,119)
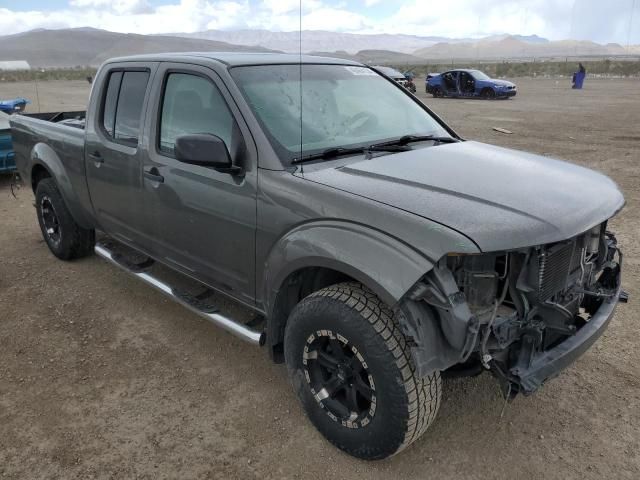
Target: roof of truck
(236,58)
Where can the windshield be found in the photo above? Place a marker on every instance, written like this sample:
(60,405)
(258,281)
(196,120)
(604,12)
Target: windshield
(478,75)
(342,106)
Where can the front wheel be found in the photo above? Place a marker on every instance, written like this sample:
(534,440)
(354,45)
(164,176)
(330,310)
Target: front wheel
(353,372)
(488,94)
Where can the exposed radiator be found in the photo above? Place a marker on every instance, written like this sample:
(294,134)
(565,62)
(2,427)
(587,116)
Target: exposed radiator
(554,267)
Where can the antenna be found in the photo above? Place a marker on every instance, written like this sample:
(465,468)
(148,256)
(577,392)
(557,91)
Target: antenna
(300,56)
(37,92)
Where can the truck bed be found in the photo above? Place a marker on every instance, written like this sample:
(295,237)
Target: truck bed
(62,132)
(74,118)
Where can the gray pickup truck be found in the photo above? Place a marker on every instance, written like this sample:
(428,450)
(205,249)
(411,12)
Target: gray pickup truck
(378,249)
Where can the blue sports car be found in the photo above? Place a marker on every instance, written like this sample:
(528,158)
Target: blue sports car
(468,83)
(15,105)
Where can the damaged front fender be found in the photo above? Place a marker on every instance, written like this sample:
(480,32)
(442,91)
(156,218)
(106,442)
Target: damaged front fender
(436,315)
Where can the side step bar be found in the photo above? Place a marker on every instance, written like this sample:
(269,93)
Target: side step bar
(238,329)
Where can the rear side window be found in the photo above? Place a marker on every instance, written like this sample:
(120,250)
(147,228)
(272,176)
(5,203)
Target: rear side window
(123,105)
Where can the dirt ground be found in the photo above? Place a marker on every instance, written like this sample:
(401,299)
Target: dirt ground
(102,377)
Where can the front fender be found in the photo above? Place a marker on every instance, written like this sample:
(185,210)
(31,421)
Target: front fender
(383,263)
(45,156)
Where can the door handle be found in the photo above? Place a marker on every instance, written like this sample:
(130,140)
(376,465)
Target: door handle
(154,175)
(96,157)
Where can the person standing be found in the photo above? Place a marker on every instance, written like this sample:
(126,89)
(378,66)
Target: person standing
(579,76)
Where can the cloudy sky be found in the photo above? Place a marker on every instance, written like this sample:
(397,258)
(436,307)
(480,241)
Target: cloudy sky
(598,20)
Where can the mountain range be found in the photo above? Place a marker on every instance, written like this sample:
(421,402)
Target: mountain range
(351,43)
(90,46)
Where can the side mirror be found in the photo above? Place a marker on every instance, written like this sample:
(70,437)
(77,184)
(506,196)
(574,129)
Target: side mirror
(205,150)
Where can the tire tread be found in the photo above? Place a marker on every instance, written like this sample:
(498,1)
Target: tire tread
(423,394)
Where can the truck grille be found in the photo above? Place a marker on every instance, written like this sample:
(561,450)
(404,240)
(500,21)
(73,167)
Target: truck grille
(554,266)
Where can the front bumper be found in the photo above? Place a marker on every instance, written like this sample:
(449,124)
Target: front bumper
(550,363)
(506,93)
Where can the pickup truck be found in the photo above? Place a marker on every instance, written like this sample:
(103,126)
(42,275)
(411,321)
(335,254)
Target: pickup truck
(379,250)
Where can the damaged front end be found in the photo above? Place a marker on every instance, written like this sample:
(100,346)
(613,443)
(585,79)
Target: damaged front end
(524,314)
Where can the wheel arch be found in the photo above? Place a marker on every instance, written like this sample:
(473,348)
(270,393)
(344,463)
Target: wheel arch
(314,256)
(45,163)
(38,173)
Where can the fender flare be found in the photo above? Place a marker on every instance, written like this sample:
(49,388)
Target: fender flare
(386,265)
(46,157)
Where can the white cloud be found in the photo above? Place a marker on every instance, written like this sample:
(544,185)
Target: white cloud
(334,19)
(555,19)
(136,16)
(292,7)
(474,18)
(132,7)
(128,16)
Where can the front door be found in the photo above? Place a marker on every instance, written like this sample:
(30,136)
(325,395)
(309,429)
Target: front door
(450,83)
(114,154)
(204,221)
(467,84)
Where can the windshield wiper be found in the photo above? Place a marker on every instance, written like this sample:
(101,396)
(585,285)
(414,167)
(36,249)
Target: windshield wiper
(333,152)
(407,139)
(398,145)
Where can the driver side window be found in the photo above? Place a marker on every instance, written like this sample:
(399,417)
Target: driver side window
(192,104)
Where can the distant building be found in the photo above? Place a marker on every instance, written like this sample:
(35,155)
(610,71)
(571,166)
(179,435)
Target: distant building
(14,65)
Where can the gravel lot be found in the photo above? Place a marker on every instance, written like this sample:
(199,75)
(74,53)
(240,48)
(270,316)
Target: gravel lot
(102,377)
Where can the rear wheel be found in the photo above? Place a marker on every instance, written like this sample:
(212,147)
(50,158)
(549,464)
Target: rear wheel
(352,370)
(65,238)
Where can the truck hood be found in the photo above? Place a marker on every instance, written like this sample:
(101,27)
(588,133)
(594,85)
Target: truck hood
(499,198)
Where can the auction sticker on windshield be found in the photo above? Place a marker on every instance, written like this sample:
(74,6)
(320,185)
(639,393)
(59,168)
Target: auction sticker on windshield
(361,71)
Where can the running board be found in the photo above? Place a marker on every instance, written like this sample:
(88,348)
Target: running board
(192,303)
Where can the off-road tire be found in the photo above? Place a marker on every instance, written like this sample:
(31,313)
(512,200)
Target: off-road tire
(74,241)
(405,404)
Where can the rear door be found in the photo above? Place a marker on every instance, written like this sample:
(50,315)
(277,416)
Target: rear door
(204,221)
(114,151)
